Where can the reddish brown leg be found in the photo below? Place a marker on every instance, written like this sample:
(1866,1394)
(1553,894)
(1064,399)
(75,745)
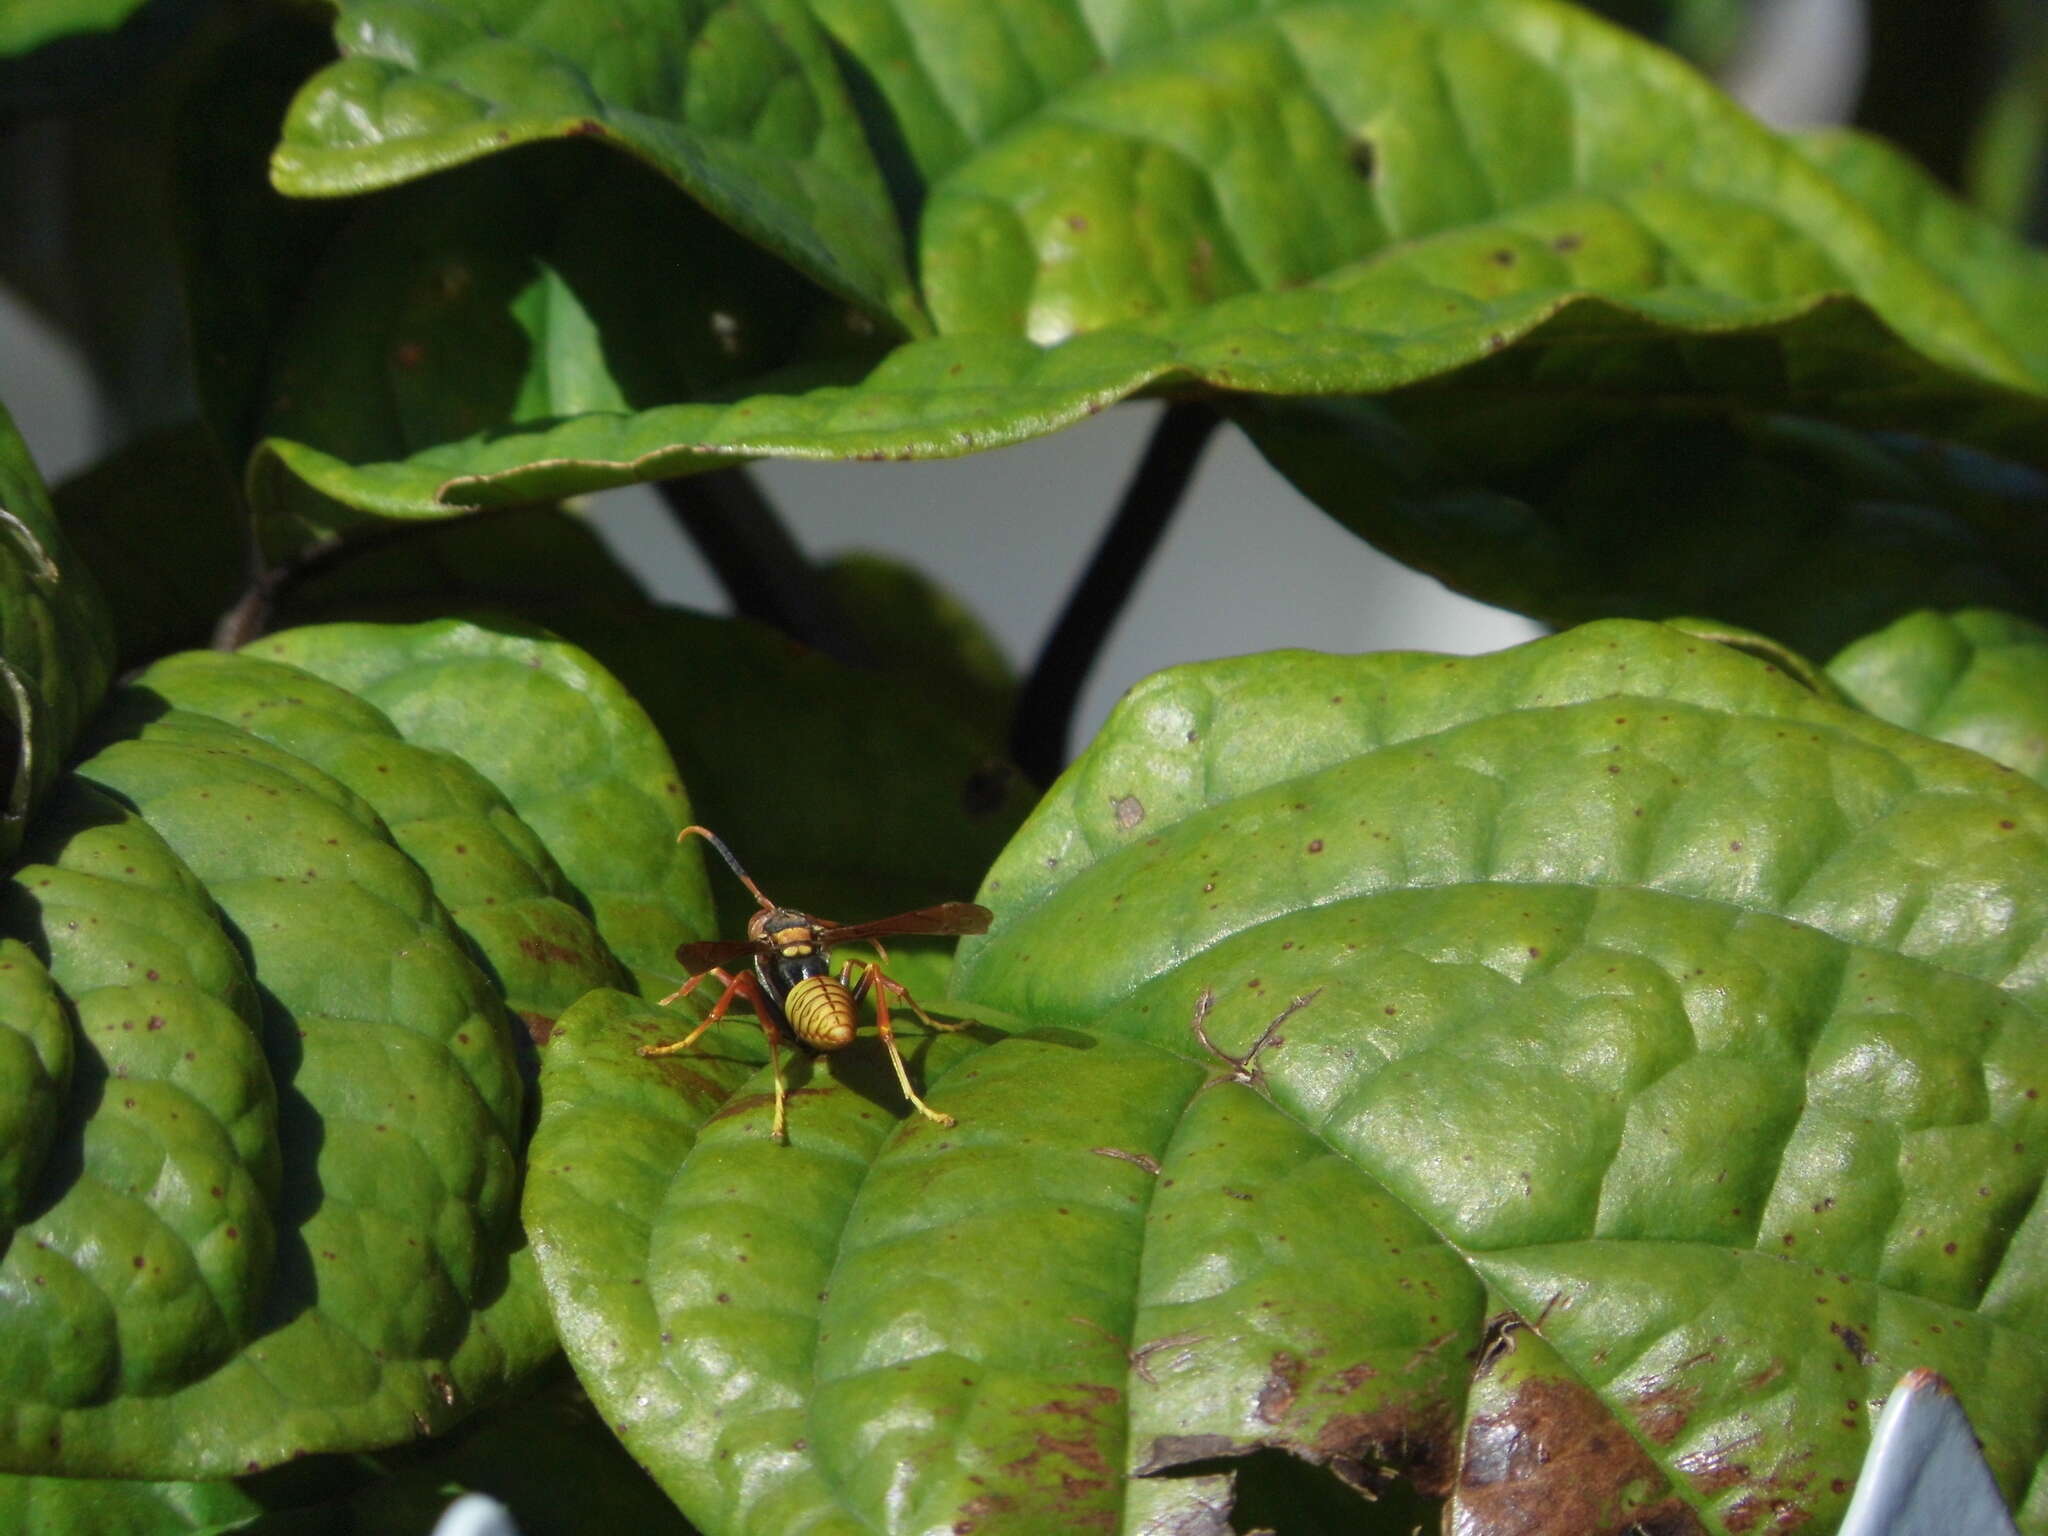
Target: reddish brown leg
(883,986)
(882,979)
(740,986)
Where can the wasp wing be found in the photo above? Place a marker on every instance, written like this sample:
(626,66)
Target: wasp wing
(707,953)
(946,918)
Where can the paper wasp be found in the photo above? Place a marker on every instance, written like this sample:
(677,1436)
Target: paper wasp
(791,986)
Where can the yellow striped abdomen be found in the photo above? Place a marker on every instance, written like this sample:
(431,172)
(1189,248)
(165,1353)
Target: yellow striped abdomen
(820,1012)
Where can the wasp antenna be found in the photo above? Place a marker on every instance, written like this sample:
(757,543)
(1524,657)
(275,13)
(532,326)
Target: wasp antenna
(718,842)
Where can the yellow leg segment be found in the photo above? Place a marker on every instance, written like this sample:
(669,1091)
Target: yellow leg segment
(740,986)
(883,988)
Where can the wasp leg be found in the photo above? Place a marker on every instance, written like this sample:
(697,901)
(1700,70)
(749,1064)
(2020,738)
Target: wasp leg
(881,979)
(691,985)
(779,1131)
(735,986)
(883,987)
(740,986)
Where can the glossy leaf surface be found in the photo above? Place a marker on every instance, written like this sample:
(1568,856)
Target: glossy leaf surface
(1976,678)
(739,104)
(570,751)
(1345,198)
(1499,950)
(278,1215)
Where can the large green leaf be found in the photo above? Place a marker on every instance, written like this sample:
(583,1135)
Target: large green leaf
(277,1215)
(488,867)
(566,745)
(739,104)
(60,1506)
(1330,197)
(1500,950)
(56,642)
(1976,678)
(329,1268)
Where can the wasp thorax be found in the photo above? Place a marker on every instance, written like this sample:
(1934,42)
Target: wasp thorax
(820,1011)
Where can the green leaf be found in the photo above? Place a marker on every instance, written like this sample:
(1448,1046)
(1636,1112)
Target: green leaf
(56,642)
(1997,273)
(62,1506)
(35,1073)
(567,747)
(1342,198)
(1493,953)
(275,1217)
(740,105)
(177,1345)
(159,521)
(914,627)
(1594,509)
(1497,872)
(1976,678)
(143,1260)
(534,287)
(494,876)
(547,1456)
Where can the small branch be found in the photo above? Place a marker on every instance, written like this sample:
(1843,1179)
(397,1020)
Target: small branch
(762,568)
(1045,708)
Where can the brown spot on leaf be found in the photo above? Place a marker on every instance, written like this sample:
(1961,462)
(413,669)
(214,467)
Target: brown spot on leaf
(547,952)
(1129,811)
(1853,1342)
(1143,1160)
(1554,1462)
(1367,1450)
(1662,1414)
(1282,1384)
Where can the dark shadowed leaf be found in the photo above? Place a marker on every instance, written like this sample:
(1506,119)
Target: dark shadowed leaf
(56,641)
(855,794)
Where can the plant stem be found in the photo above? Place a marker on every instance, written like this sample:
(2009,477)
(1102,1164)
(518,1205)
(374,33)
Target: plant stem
(1045,708)
(759,563)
